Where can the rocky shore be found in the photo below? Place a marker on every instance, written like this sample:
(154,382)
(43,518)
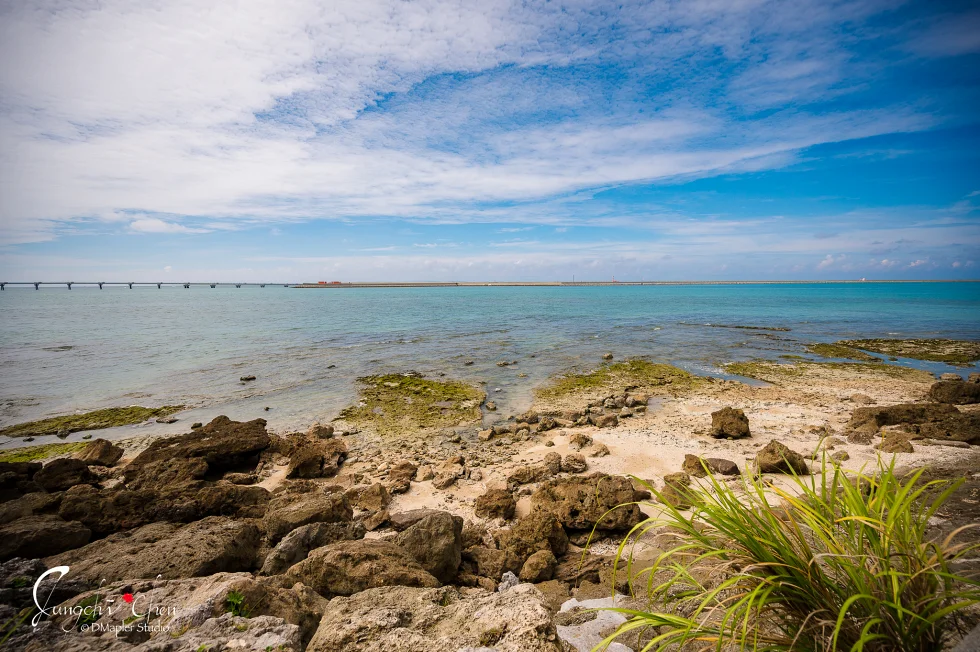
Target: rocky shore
(421,520)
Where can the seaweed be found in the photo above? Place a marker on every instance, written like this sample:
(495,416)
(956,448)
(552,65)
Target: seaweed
(96,420)
(957,352)
(616,376)
(33,453)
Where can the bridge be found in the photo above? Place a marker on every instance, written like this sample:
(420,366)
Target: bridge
(37,284)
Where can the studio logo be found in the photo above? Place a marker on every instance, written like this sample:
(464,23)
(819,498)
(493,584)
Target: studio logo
(94,613)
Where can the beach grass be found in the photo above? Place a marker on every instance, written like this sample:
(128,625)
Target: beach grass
(838,561)
(618,376)
(35,453)
(96,420)
(396,403)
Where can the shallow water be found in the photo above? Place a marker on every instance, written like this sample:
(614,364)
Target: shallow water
(62,351)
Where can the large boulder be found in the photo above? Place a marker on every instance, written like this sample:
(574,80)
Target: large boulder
(778,458)
(400,476)
(105,511)
(539,530)
(289,511)
(64,473)
(100,452)
(699,467)
(491,562)
(373,498)
(295,546)
(866,421)
(223,445)
(597,500)
(527,474)
(17,479)
(401,619)
(539,567)
(963,427)
(349,567)
(436,543)
(955,392)
(40,535)
(317,459)
(212,545)
(495,503)
(729,422)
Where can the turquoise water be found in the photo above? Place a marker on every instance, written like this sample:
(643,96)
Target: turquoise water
(62,351)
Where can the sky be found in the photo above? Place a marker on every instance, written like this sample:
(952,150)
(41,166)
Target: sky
(442,140)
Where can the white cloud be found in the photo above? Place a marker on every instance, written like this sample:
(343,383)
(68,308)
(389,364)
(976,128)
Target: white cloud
(259,112)
(155,225)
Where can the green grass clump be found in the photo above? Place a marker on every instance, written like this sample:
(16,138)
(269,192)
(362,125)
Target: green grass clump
(236,605)
(395,403)
(33,453)
(825,350)
(616,376)
(842,561)
(960,352)
(106,418)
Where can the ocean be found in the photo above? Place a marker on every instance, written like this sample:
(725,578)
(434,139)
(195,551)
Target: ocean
(63,351)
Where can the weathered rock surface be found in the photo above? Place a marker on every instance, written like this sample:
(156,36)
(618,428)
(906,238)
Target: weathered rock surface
(539,530)
(436,544)
(100,452)
(372,499)
(955,392)
(295,546)
(729,422)
(895,442)
(349,567)
(437,620)
(777,458)
(400,477)
(64,473)
(675,491)
(528,474)
(581,503)
(574,463)
(40,535)
(289,511)
(866,421)
(401,521)
(317,459)
(223,445)
(212,545)
(539,567)
(964,427)
(17,478)
(491,562)
(495,503)
(695,466)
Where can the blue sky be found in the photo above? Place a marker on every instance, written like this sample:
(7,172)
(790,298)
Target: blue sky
(492,140)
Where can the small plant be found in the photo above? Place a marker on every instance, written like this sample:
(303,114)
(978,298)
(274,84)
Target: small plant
(20,582)
(235,603)
(90,611)
(841,562)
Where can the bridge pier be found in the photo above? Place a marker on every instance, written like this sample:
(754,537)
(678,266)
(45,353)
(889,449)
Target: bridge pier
(69,285)
(37,286)
(213,284)
(261,285)
(130,286)
(100,285)
(187,286)
(238,285)
(158,285)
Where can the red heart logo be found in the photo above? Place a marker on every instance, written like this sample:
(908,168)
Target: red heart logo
(128,597)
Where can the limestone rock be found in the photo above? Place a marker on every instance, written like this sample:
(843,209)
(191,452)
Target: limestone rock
(553,462)
(287,512)
(580,503)
(955,392)
(539,530)
(496,503)
(64,473)
(17,478)
(578,441)
(401,521)
(866,421)
(402,619)
(319,459)
(349,567)
(528,474)
(100,452)
(295,546)
(695,466)
(574,463)
(400,476)
(372,498)
(895,442)
(777,458)
(675,492)
(539,567)
(436,544)
(212,545)
(320,431)
(40,535)
(729,422)
(599,450)
(490,562)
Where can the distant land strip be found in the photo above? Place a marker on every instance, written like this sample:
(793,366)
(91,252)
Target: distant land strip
(393,284)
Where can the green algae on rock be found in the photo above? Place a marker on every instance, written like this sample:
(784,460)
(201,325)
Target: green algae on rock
(34,453)
(839,350)
(634,373)
(105,418)
(772,372)
(395,403)
(961,352)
